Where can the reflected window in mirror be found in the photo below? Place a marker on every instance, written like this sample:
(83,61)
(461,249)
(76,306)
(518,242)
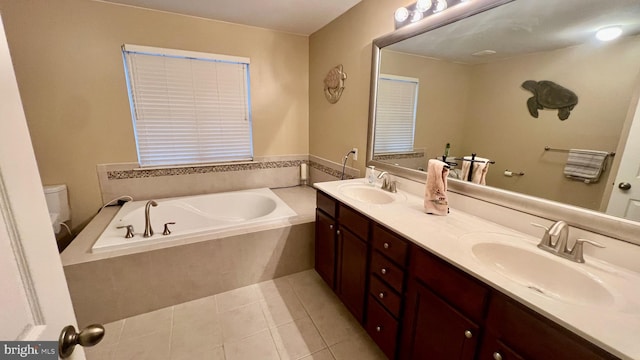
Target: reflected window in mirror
(396,114)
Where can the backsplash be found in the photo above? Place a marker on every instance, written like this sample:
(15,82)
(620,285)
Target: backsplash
(121,179)
(145,173)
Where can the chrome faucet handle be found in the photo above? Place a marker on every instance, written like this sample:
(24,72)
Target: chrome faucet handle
(393,186)
(576,253)
(166,228)
(545,242)
(129,231)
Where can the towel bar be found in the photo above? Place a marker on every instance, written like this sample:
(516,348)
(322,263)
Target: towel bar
(548,148)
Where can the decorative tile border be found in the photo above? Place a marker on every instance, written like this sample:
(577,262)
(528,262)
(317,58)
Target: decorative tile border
(139,174)
(410,155)
(328,170)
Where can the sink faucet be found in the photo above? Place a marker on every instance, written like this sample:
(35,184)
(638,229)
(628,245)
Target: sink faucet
(148,231)
(560,231)
(387,184)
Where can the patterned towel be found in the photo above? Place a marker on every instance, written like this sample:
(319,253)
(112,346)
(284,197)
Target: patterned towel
(435,193)
(585,165)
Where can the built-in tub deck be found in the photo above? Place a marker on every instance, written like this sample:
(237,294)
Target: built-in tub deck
(113,284)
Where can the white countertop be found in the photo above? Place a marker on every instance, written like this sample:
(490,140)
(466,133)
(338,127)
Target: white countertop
(614,328)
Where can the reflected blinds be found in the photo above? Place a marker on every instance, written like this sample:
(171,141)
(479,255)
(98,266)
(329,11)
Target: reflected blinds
(395,114)
(188,107)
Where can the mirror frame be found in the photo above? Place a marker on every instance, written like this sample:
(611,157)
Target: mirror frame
(590,220)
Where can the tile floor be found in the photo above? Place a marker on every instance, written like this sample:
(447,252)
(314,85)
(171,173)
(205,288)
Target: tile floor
(292,317)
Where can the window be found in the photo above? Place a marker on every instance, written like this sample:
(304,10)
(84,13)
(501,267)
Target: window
(395,114)
(188,107)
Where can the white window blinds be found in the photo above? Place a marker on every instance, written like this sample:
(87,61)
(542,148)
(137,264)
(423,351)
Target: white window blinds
(188,107)
(395,114)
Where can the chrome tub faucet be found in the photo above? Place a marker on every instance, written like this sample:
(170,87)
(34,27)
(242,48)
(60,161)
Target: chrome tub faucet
(148,231)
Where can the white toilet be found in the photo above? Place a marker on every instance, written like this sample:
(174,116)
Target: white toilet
(58,205)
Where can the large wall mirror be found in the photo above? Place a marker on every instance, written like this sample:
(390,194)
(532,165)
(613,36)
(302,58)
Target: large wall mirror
(457,78)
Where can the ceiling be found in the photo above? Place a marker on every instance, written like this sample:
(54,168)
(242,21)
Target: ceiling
(524,26)
(295,16)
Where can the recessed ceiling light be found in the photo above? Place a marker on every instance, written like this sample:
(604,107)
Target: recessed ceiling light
(609,33)
(483,53)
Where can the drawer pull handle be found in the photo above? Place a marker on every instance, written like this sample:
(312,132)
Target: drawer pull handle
(385,245)
(378,328)
(330,227)
(383,271)
(338,232)
(381,295)
(497,356)
(468,334)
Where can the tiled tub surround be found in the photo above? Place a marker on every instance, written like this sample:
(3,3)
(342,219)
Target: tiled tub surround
(273,172)
(612,327)
(109,286)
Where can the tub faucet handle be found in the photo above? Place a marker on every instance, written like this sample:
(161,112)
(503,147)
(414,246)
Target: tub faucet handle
(129,231)
(166,228)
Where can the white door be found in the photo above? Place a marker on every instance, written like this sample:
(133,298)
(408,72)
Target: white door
(34,303)
(625,198)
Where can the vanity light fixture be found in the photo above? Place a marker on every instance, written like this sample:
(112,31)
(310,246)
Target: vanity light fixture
(422,8)
(441,5)
(401,15)
(609,33)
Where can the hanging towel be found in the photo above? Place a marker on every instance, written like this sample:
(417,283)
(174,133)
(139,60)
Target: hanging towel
(480,168)
(435,193)
(585,165)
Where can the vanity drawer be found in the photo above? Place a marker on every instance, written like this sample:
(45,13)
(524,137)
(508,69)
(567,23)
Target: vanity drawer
(390,245)
(382,328)
(387,271)
(326,204)
(524,331)
(459,289)
(385,295)
(358,224)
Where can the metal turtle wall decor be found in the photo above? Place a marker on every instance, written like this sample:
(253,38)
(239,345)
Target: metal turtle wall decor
(549,95)
(334,84)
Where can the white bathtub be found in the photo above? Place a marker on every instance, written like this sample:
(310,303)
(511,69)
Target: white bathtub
(194,215)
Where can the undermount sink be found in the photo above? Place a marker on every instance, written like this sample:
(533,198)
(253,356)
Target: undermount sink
(369,194)
(542,274)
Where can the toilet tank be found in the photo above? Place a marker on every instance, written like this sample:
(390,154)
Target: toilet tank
(58,201)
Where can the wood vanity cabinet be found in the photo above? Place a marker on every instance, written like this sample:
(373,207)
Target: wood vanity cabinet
(387,276)
(341,251)
(516,332)
(444,310)
(416,306)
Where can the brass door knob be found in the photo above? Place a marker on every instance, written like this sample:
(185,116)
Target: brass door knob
(69,338)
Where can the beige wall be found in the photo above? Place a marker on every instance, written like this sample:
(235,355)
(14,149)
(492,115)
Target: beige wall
(67,59)
(335,128)
(604,78)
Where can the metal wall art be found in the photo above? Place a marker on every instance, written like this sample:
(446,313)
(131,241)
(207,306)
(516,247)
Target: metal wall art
(334,84)
(549,95)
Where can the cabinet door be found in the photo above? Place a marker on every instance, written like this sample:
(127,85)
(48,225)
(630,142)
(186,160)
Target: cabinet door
(435,330)
(494,349)
(325,246)
(352,271)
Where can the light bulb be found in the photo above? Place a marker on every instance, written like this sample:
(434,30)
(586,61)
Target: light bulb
(440,6)
(401,14)
(423,5)
(416,16)
(609,33)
